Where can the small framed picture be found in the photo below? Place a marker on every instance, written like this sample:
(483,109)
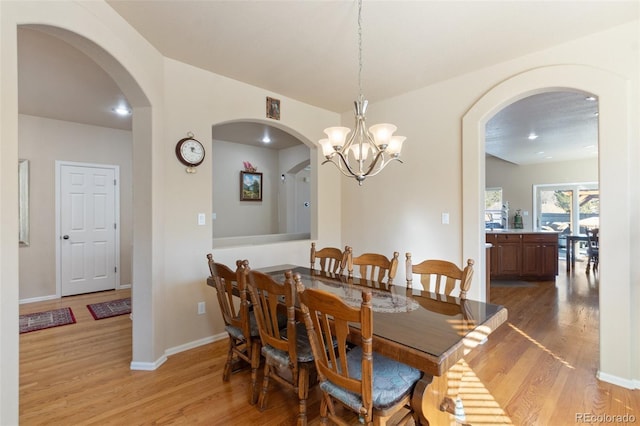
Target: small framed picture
(273,108)
(250,186)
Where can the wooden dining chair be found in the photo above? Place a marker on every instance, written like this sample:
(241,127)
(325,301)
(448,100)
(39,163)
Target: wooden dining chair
(593,249)
(377,268)
(240,323)
(330,259)
(441,276)
(363,381)
(287,353)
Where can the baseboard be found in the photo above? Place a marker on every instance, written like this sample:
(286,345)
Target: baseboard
(195,344)
(123,286)
(150,366)
(618,381)
(38,299)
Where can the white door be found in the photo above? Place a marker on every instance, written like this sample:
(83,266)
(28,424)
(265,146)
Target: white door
(87,228)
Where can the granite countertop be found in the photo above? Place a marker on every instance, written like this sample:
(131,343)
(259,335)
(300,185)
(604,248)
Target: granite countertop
(518,231)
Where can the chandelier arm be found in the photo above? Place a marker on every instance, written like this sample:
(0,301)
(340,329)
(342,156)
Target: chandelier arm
(385,165)
(341,164)
(374,162)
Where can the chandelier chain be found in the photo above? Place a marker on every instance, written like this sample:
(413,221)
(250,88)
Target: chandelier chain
(360,47)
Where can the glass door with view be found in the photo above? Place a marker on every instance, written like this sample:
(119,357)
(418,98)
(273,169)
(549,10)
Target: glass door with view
(567,209)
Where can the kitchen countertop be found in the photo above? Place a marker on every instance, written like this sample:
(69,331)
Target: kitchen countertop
(517,231)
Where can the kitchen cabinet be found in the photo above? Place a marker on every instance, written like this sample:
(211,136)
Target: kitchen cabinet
(524,255)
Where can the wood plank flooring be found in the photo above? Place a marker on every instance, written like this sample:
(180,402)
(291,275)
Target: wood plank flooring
(537,369)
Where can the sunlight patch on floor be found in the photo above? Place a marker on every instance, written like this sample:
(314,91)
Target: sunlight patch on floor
(539,345)
(480,406)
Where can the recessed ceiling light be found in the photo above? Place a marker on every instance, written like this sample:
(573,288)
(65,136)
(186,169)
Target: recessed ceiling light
(540,152)
(266,139)
(532,136)
(122,110)
(590,98)
(596,113)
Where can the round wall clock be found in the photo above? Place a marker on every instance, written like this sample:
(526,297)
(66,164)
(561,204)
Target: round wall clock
(190,152)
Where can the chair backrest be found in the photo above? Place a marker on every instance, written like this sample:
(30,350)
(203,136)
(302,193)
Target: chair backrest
(327,319)
(441,276)
(372,266)
(593,238)
(330,259)
(223,280)
(266,294)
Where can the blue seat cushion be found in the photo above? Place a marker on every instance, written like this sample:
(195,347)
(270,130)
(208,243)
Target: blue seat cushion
(303,348)
(236,332)
(392,381)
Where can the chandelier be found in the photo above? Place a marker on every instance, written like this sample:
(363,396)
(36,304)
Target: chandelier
(366,152)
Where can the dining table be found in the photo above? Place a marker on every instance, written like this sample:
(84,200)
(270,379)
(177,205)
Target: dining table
(572,239)
(428,331)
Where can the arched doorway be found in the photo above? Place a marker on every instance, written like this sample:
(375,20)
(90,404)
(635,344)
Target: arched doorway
(616,345)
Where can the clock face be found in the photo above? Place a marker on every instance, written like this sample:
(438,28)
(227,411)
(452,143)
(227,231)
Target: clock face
(190,152)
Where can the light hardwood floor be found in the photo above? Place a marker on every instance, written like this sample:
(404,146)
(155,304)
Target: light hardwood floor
(538,369)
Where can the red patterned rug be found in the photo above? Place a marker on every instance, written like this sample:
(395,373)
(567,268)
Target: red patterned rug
(47,319)
(110,309)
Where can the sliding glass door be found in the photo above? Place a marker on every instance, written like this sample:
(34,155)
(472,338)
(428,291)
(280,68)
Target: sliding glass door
(567,208)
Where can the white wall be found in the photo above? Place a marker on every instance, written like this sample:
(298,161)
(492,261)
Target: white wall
(42,142)
(235,218)
(276,213)
(517,181)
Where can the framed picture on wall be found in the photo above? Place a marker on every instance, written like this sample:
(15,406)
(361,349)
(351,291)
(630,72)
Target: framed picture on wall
(250,186)
(273,108)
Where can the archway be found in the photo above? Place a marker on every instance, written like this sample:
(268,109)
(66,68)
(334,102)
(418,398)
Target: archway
(616,344)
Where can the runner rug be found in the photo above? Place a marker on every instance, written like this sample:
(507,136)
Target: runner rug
(110,309)
(46,319)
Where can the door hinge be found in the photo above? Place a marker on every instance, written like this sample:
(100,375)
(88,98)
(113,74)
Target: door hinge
(115,269)
(114,182)
(115,226)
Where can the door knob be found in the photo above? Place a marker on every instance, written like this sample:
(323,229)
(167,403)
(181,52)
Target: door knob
(65,237)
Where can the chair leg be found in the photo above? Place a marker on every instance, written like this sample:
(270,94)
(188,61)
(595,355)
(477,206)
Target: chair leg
(255,364)
(226,374)
(262,401)
(324,408)
(303,394)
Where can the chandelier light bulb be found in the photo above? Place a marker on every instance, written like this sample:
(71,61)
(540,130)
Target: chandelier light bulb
(382,134)
(337,136)
(360,151)
(327,148)
(395,145)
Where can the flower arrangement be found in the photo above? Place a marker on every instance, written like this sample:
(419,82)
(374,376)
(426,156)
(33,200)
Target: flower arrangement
(248,167)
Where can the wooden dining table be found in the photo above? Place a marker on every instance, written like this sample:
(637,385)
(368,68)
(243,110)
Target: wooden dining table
(572,239)
(427,331)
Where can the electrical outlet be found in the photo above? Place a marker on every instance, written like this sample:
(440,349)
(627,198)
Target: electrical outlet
(201,308)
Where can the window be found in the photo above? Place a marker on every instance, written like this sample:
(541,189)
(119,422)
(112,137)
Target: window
(493,208)
(567,208)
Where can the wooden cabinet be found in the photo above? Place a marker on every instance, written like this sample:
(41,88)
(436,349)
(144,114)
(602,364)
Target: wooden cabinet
(531,256)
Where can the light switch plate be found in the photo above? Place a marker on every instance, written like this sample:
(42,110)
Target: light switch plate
(201,219)
(445,218)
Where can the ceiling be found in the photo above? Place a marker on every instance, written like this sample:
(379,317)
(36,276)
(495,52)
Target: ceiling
(307,50)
